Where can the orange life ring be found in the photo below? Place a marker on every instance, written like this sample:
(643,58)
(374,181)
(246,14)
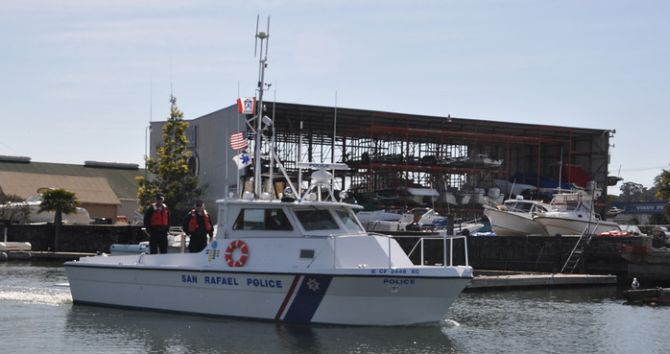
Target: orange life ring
(244,250)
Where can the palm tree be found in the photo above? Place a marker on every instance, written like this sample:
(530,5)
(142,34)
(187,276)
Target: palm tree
(59,201)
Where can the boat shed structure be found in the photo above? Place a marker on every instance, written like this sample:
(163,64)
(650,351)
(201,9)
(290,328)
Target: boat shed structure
(106,190)
(388,150)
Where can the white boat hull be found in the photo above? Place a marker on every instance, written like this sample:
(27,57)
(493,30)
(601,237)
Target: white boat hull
(364,297)
(507,223)
(569,226)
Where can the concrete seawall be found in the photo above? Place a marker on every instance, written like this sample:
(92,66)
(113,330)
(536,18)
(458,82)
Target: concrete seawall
(74,238)
(531,253)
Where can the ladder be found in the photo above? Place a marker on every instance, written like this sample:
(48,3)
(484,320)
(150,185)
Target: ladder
(578,250)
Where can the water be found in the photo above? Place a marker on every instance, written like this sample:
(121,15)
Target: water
(37,316)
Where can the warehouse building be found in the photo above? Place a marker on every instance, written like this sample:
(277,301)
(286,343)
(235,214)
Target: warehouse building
(390,151)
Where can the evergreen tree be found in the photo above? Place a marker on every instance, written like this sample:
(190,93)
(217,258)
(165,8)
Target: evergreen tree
(662,185)
(169,170)
(59,201)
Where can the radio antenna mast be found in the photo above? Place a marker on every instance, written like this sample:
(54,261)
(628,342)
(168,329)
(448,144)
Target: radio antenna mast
(262,64)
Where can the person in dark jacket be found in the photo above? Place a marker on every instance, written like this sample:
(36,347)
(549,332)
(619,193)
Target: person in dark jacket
(198,225)
(157,224)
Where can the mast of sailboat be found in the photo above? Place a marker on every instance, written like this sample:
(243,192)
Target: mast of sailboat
(262,63)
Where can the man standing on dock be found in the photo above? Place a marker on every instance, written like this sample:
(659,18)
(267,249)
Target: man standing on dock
(157,224)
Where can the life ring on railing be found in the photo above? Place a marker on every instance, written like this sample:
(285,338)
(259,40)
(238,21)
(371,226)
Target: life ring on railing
(230,250)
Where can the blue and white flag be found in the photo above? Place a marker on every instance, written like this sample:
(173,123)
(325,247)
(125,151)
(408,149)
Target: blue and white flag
(242,160)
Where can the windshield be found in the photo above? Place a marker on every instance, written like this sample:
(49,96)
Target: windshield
(349,220)
(262,219)
(316,219)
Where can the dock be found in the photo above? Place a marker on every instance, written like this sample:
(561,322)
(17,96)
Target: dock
(535,280)
(42,256)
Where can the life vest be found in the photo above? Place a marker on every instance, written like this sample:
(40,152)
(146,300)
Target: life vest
(159,217)
(193,223)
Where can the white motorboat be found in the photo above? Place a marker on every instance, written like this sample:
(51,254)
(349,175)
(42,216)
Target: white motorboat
(416,219)
(419,219)
(296,260)
(284,261)
(515,217)
(35,216)
(418,195)
(512,188)
(379,220)
(485,161)
(572,214)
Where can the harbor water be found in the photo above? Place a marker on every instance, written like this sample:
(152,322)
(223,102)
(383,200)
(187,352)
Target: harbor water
(37,316)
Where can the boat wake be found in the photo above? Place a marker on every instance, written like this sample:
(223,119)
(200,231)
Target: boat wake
(447,325)
(36,295)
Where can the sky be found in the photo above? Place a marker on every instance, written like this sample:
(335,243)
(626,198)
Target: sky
(80,80)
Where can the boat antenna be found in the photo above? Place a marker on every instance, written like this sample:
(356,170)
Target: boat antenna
(262,64)
(560,171)
(272,147)
(332,150)
(299,159)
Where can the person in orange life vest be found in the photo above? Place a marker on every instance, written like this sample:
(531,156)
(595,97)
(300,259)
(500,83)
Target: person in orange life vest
(157,223)
(198,225)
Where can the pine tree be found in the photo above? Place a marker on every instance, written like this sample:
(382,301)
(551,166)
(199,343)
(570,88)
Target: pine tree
(169,170)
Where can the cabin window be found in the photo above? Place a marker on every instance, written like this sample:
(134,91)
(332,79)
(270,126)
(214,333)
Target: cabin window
(349,220)
(262,219)
(306,253)
(523,207)
(316,219)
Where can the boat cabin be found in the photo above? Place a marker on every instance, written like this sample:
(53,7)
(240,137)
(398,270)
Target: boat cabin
(258,219)
(571,202)
(525,206)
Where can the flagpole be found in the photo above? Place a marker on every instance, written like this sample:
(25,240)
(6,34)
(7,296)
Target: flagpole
(263,36)
(271,153)
(237,183)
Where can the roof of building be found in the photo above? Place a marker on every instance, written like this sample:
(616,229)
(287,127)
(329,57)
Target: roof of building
(120,177)
(89,190)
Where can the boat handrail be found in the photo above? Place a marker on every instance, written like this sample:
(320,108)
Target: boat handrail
(421,241)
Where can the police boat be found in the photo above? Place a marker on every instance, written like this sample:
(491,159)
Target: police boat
(307,260)
(301,258)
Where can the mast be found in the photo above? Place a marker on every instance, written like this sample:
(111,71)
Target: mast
(262,63)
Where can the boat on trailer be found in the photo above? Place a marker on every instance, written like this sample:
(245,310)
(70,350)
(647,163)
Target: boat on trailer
(303,258)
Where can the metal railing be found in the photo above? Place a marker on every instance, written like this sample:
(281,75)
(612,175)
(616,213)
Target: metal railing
(445,240)
(447,245)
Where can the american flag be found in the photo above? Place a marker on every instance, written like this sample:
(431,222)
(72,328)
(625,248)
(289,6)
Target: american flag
(238,141)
